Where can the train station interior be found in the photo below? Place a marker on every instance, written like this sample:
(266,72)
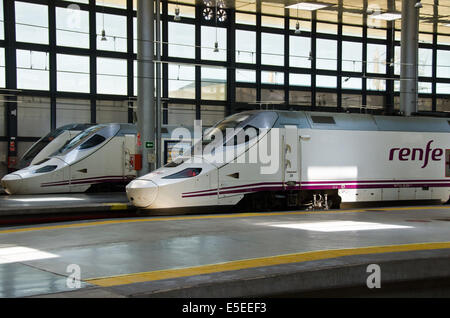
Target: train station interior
(94,94)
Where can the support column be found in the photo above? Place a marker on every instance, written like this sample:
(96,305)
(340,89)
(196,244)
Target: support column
(409,57)
(158,144)
(146,84)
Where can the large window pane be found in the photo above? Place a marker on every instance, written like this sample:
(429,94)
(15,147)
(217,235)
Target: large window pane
(31,23)
(2,67)
(425,62)
(109,111)
(351,101)
(72,111)
(268,77)
(245,46)
(244,18)
(375,101)
(397,60)
(72,27)
(351,56)
(351,83)
(2,27)
(246,76)
(326,81)
(272,22)
(2,120)
(443,64)
(272,49)
(111,76)
(299,49)
(245,95)
(214,83)
(181,40)
(121,4)
(211,114)
(299,79)
(376,58)
(209,36)
(326,99)
(375,84)
(32,70)
(326,54)
(272,95)
(424,88)
(115,27)
(443,88)
(443,105)
(425,104)
(33,115)
(181,81)
(302,98)
(180,114)
(73,73)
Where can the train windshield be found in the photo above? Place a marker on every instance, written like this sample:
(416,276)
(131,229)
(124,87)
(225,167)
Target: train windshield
(75,142)
(44,141)
(239,128)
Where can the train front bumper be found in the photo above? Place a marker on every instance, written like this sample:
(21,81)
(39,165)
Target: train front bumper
(142,193)
(11,183)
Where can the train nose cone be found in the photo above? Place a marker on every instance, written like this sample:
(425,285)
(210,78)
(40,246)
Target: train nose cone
(142,193)
(11,183)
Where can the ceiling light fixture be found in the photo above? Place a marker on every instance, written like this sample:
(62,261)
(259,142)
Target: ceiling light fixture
(103,16)
(418,4)
(216,44)
(297,25)
(310,6)
(177,16)
(387,16)
(297,28)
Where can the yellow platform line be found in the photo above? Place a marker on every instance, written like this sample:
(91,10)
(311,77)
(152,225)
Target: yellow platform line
(209,216)
(259,262)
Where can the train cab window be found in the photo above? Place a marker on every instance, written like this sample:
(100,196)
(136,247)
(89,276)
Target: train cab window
(186,173)
(46,169)
(92,142)
(74,142)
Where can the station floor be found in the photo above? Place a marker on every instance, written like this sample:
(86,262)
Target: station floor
(221,255)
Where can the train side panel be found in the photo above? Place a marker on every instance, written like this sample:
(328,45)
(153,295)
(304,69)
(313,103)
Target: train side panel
(376,165)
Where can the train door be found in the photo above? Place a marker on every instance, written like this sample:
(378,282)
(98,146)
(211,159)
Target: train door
(291,156)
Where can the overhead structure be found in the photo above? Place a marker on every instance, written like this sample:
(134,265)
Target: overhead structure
(409,57)
(146,85)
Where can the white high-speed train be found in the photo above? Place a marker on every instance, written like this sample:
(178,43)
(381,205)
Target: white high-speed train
(99,155)
(276,159)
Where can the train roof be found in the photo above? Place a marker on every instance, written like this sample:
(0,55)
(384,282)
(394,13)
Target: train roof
(367,122)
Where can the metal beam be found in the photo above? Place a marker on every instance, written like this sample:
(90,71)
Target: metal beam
(146,83)
(409,58)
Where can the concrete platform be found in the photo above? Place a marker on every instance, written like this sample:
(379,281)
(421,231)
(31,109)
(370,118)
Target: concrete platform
(226,255)
(45,204)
